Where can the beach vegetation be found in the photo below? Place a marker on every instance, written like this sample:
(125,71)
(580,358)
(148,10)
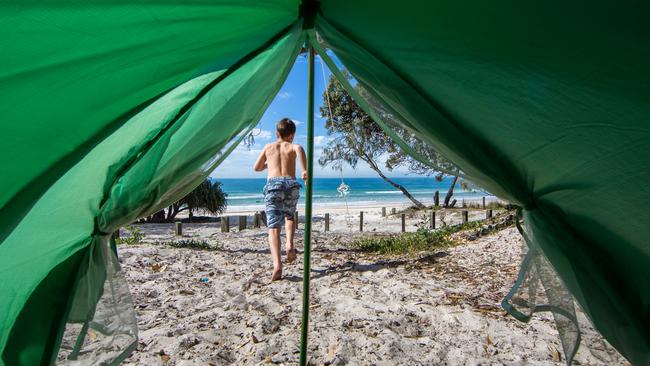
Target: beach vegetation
(421,240)
(208,196)
(134,235)
(426,239)
(358,137)
(191,244)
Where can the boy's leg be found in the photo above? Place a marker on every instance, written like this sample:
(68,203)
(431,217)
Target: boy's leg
(274,201)
(291,231)
(291,201)
(274,243)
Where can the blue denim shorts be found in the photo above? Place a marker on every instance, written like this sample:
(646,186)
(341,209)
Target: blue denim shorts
(280,197)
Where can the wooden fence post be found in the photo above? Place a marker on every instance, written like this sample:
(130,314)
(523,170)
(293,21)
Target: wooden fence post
(361,221)
(465,216)
(256,220)
(383,212)
(403,222)
(432,219)
(392,211)
(225,224)
(263,217)
(242,223)
(463,203)
(436,199)
(483,202)
(327,222)
(488,214)
(179,228)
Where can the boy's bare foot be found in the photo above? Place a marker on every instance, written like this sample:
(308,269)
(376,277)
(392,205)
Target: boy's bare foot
(291,255)
(277,275)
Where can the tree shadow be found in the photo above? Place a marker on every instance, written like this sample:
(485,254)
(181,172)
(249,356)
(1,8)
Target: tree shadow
(247,251)
(292,278)
(350,266)
(300,252)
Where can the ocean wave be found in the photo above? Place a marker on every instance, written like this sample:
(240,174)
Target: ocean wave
(260,196)
(245,197)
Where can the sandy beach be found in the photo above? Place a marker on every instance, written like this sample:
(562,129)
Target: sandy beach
(217,307)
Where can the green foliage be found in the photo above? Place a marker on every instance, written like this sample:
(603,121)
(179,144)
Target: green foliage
(398,157)
(424,239)
(488,205)
(357,135)
(191,244)
(135,235)
(208,196)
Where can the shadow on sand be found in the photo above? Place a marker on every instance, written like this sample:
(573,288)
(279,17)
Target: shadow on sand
(376,266)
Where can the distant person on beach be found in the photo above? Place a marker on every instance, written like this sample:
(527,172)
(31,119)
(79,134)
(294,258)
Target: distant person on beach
(282,190)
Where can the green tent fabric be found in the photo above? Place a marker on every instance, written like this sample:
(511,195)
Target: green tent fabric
(112,110)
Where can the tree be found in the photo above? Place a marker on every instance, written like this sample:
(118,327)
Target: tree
(397,157)
(207,196)
(362,138)
(357,136)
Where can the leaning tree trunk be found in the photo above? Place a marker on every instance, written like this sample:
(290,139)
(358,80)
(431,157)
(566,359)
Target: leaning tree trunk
(157,217)
(450,192)
(173,210)
(408,195)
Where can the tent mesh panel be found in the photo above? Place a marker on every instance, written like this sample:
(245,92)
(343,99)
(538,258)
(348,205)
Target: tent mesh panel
(402,133)
(109,333)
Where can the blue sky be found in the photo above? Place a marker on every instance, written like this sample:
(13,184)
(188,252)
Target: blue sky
(291,102)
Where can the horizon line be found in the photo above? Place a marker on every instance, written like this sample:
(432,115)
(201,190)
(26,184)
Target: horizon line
(345,177)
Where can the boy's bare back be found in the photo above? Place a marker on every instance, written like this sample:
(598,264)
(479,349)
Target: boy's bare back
(281,159)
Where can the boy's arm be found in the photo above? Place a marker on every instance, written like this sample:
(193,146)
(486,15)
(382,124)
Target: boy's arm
(260,164)
(303,161)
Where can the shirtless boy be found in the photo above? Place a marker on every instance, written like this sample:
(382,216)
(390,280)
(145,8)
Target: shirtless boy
(282,190)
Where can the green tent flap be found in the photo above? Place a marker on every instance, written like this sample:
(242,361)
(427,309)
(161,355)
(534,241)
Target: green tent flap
(521,98)
(126,53)
(114,109)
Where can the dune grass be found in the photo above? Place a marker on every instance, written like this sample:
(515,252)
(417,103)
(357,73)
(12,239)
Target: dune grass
(190,244)
(421,240)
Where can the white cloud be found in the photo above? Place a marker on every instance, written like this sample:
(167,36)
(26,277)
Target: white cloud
(320,140)
(264,135)
(298,123)
(284,95)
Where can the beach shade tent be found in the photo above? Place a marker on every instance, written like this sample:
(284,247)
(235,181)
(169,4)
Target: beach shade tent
(112,110)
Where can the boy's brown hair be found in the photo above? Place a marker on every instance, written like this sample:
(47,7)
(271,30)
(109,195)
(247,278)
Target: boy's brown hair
(285,128)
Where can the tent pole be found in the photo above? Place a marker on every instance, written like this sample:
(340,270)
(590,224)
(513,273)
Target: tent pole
(310,175)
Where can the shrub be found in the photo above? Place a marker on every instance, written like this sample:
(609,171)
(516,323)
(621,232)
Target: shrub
(191,244)
(135,236)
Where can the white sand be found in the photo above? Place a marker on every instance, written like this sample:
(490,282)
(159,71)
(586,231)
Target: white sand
(431,309)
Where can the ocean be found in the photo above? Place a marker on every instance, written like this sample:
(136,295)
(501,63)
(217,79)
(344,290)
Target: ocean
(363,191)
